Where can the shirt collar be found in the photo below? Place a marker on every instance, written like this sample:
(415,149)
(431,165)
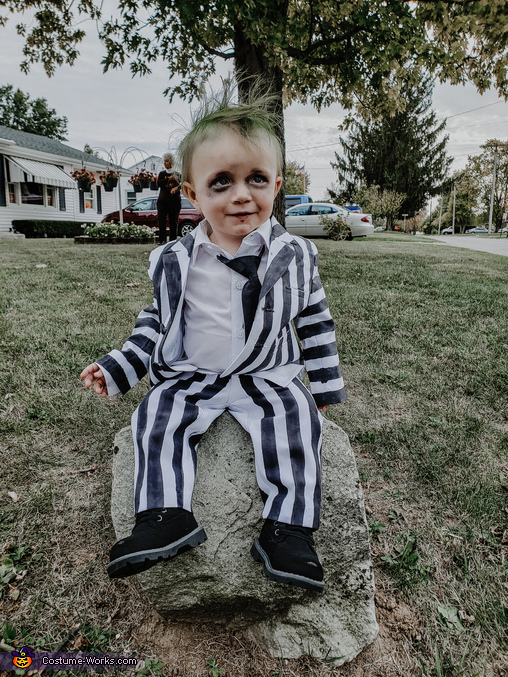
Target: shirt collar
(259,236)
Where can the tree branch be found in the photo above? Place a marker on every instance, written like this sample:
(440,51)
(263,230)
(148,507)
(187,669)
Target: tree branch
(321,61)
(215,52)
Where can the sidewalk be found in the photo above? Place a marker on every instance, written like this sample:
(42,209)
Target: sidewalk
(491,245)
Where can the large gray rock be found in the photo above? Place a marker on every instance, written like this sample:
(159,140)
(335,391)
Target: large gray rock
(219,581)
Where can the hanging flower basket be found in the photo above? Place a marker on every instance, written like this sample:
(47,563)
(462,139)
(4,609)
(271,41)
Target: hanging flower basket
(145,178)
(84,178)
(136,182)
(110,185)
(84,185)
(153,184)
(109,180)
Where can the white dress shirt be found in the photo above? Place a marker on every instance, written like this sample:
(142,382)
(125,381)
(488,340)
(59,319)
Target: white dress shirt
(214,331)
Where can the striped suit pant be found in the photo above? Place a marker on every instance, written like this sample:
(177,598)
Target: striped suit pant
(283,422)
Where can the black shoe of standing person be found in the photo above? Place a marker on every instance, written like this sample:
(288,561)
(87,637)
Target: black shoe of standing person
(159,534)
(288,555)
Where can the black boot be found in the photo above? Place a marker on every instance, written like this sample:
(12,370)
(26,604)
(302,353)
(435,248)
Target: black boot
(287,551)
(160,533)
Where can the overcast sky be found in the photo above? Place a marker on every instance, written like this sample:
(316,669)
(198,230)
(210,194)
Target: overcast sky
(115,111)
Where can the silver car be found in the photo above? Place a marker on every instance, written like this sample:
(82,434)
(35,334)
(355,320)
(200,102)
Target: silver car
(305,219)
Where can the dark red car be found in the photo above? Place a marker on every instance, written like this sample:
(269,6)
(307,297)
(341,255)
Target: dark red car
(144,213)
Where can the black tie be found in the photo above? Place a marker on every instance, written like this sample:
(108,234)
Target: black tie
(248,267)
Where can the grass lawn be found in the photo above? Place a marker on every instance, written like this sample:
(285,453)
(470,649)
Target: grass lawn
(423,339)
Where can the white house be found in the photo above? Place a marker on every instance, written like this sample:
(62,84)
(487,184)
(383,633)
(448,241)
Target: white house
(36,182)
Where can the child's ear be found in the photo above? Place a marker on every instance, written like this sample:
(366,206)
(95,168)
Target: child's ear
(278,184)
(190,193)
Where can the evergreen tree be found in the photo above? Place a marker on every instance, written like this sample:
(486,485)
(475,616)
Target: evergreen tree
(404,152)
(18,111)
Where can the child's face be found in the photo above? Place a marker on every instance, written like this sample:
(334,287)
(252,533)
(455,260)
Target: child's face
(233,183)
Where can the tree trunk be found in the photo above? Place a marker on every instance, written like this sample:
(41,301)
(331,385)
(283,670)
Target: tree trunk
(251,63)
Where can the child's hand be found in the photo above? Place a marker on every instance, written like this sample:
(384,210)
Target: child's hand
(93,375)
(323,408)
(175,190)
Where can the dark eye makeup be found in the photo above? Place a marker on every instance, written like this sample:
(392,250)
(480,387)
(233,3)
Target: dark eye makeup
(224,180)
(220,181)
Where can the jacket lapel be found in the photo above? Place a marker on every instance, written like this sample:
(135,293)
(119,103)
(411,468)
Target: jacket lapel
(280,255)
(175,262)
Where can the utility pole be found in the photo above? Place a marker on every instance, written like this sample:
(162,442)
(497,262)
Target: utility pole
(453,216)
(493,190)
(440,214)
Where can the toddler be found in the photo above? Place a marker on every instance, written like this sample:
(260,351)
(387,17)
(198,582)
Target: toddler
(230,300)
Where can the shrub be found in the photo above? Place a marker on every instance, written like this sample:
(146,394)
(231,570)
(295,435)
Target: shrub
(337,229)
(115,230)
(42,228)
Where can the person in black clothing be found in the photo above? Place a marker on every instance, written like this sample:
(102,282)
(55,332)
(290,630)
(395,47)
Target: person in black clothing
(169,201)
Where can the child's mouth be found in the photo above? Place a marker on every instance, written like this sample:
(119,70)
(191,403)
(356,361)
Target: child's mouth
(242,215)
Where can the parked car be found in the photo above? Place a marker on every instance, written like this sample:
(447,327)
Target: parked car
(305,219)
(447,231)
(504,230)
(478,229)
(292,200)
(144,213)
(379,229)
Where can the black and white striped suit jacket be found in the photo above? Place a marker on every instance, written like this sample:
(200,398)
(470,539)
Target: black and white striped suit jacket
(291,296)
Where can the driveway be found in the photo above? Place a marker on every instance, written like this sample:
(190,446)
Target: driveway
(491,245)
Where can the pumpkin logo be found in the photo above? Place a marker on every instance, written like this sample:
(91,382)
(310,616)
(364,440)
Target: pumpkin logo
(23,659)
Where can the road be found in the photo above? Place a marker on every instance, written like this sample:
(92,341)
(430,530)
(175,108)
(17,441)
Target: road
(491,245)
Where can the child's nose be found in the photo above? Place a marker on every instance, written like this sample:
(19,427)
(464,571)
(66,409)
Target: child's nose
(241,193)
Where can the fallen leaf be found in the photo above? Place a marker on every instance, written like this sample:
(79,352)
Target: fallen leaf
(13,495)
(41,265)
(8,395)
(449,615)
(14,594)
(132,284)
(79,642)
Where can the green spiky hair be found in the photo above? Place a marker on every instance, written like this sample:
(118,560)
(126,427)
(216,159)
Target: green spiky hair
(252,120)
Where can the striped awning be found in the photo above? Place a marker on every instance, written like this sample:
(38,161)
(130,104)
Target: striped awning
(40,172)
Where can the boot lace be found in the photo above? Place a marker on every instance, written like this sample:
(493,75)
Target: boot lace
(152,517)
(292,530)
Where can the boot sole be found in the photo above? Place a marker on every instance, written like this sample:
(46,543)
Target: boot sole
(259,555)
(136,562)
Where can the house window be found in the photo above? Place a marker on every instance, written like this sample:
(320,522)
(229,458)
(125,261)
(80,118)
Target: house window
(12,194)
(131,197)
(32,193)
(50,196)
(89,200)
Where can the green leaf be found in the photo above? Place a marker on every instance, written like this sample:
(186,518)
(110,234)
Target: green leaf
(9,632)
(450,617)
